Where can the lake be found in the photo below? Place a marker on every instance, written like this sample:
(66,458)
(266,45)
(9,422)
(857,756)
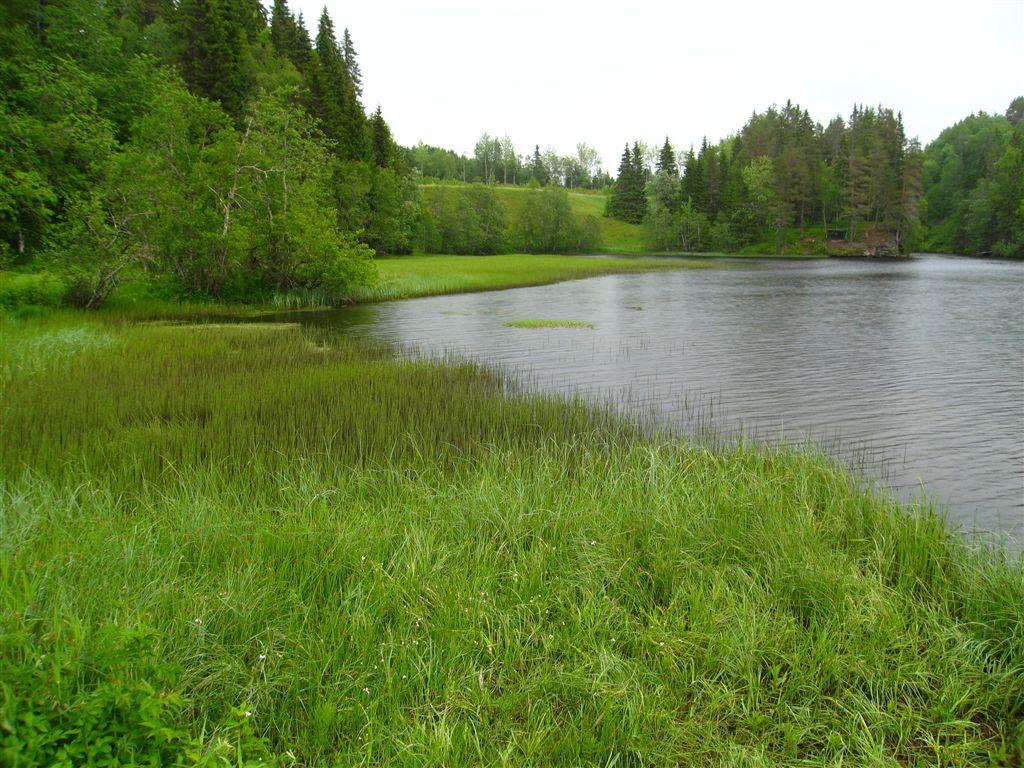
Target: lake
(911,370)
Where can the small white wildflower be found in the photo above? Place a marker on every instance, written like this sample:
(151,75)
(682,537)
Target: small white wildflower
(593,543)
(197,621)
(248,713)
(366,690)
(263,657)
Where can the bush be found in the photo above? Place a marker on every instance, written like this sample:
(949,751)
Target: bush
(466,220)
(40,289)
(546,224)
(106,700)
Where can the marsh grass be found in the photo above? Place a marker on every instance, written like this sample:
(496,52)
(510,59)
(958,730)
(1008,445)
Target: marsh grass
(548,324)
(396,562)
(410,276)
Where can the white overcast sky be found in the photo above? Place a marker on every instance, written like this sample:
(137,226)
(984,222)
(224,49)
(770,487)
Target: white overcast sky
(554,73)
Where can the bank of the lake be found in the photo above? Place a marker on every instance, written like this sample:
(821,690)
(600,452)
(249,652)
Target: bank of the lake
(400,277)
(273,544)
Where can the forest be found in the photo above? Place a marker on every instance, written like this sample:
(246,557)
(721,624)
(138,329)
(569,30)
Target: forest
(867,185)
(222,150)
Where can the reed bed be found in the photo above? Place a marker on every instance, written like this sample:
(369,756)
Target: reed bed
(271,545)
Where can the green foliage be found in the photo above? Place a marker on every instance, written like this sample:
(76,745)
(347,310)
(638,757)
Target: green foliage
(861,177)
(214,51)
(117,170)
(973,188)
(53,133)
(546,224)
(104,699)
(464,220)
(40,289)
(628,200)
(380,205)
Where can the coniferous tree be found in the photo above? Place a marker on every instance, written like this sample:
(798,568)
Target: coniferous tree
(213,51)
(667,160)
(628,200)
(333,95)
(638,187)
(348,52)
(538,167)
(380,140)
(618,203)
(301,51)
(692,188)
(282,28)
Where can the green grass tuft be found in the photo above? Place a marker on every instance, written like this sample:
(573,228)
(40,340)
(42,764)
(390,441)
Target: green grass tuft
(548,324)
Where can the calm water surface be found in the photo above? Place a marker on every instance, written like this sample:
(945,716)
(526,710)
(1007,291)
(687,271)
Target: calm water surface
(915,369)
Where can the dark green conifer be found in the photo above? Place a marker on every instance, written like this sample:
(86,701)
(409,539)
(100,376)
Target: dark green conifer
(333,96)
(667,160)
(348,52)
(380,140)
(282,28)
(213,51)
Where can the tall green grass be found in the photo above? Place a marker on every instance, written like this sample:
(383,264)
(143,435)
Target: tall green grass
(410,276)
(321,555)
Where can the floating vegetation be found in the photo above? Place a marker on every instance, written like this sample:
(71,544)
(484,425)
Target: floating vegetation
(548,324)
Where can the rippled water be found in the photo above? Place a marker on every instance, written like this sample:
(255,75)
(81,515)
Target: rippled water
(914,368)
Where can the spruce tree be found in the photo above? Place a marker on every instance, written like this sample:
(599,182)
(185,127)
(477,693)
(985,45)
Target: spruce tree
(691,178)
(540,171)
(348,52)
(333,95)
(628,201)
(282,28)
(301,51)
(380,140)
(638,186)
(667,160)
(213,52)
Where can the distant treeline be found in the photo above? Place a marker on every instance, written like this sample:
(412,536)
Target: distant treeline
(860,179)
(855,183)
(782,170)
(496,160)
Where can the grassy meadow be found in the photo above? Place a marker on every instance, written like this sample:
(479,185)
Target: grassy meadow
(274,545)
